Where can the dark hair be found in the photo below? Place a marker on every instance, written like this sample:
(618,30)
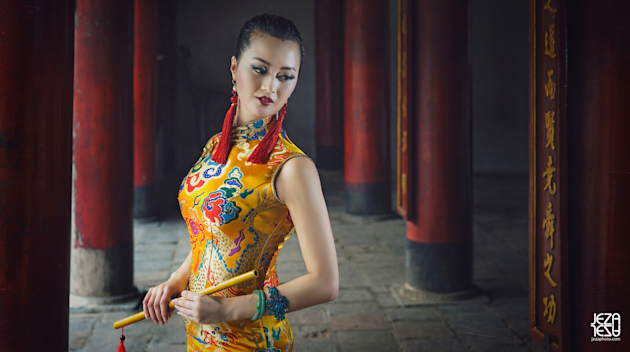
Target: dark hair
(273,25)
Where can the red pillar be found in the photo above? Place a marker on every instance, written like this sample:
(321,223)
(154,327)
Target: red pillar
(439,247)
(102,246)
(598,150)
(145,92)
(367,160)
(36,58)
(329,84)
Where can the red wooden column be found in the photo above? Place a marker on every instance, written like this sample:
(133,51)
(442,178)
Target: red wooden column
(598,149)
(36,62)
(102,246)
(146,48)
(366,164)
(329,84)
(439,228)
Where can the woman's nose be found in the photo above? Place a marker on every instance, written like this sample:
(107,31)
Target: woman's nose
(269,85)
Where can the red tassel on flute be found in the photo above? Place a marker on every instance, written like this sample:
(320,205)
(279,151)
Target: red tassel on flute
(121,347)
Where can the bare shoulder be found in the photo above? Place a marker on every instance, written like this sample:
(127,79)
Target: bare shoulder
(296,177)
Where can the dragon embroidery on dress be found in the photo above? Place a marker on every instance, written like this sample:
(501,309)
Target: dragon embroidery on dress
(217,206)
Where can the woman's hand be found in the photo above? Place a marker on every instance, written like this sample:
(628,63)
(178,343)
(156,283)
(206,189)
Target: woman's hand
(202,309)
(155,303)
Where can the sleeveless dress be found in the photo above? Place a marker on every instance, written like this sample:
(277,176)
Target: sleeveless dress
(236,224)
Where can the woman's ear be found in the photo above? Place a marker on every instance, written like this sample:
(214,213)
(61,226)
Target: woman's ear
(233,65)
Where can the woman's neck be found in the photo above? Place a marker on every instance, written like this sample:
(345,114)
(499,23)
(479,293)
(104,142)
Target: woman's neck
(242,118)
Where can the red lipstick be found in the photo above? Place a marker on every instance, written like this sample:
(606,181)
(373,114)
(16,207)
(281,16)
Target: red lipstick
(266,101)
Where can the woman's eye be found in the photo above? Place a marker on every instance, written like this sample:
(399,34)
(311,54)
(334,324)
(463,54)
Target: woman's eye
(285,78)
(260,70)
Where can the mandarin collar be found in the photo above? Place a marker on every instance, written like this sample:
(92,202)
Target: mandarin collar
(252,130)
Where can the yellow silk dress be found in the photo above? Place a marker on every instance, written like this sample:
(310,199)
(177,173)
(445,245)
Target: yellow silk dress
(236,224)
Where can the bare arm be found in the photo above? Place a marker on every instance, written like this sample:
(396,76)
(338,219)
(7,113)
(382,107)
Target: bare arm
(298,185)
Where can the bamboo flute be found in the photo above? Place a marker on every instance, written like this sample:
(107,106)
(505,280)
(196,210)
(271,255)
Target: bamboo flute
(210,290)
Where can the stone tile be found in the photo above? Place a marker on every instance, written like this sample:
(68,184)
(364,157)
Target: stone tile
(312,332)
(161,347)
(379,258)
(336,308)
(386,300)
(359,322)
(385,276)
(172,333)
(80,329)
(105,338)
(379,289)
(413,313)
(152,276)
(360,295)
(312,315)
(367,340)
(152,265)
(422,329)
(354,280)
(461,309)
(475,321)
(315,346)
(501,347)
(488,339)
(434,345)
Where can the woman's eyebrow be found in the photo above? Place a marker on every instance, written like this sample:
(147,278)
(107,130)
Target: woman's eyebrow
(268,64)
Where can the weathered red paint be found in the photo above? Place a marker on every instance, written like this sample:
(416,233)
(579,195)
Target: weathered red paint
(598,149)
(366,92)
(36,62)
(145,89)
(103,123)
(443,170)
(329,68)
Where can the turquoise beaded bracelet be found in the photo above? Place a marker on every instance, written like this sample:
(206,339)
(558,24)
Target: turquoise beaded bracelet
(278,304)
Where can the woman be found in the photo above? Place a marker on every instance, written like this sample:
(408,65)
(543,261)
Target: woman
(249,191)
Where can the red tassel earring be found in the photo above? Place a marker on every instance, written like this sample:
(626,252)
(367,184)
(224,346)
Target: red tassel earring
(264,149)
(222,150)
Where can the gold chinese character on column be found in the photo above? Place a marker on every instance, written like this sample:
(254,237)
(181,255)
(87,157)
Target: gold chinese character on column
(549,174)
(550,42)
(548,7)
(403,183)
(403,147)
(547,263)
(548,224)
(550,87)
(550,309)
(549,125)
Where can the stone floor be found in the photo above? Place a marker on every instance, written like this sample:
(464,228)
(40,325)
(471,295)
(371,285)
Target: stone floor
(368,315)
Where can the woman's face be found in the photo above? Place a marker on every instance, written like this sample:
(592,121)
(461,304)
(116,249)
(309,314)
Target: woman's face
(265,76)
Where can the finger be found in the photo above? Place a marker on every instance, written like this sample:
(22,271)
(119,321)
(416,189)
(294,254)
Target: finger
(154,305)
(144,304)
(191,296)
(187,310)
(151,311)
(183,303)
(164,307)
(147,303)
(157,307)
(187,316)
